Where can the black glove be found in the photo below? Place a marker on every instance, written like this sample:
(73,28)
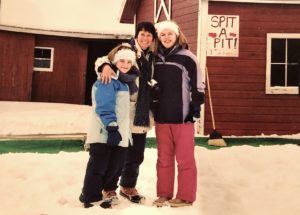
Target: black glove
(113,135)
(193,115)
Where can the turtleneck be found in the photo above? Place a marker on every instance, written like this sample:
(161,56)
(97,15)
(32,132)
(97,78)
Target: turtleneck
(166,51)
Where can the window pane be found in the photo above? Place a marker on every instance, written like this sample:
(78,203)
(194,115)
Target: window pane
(42,63)
(46,53)
(42,53)
(278,51)
(292,79)
(277,75)
(293,50)
(38,53)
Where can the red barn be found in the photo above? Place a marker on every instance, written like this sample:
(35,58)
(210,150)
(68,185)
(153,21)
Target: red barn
(251,50)
(47,51)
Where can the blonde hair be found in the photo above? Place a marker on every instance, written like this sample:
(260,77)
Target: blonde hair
(181,39)
(112,53)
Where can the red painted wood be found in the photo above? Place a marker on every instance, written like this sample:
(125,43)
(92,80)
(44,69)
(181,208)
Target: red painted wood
(66,83)
(240,104)
(16,63)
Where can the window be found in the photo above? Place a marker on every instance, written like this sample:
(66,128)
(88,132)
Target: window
(283,63)
(43,59)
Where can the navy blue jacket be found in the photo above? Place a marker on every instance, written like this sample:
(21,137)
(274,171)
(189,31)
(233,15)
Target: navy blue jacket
(181,87)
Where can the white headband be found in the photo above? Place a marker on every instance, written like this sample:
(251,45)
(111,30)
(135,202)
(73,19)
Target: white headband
(127,54)
(167,25)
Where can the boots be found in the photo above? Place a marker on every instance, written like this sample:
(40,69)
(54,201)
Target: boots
(132,195)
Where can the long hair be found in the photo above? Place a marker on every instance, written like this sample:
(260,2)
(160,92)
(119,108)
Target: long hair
(181,40)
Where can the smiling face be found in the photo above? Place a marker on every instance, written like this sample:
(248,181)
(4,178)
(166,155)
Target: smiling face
(124,65)
(144,39)
(167,38)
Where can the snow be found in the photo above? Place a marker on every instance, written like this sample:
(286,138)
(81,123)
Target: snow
(66,15)
(240,180)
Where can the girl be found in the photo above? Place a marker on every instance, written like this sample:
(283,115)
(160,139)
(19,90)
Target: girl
(108,136)
(180,94)
(141,117)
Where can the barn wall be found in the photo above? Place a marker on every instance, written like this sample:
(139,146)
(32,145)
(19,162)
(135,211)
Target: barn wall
(240,104)
(66,83)
(185,13)
(16,62)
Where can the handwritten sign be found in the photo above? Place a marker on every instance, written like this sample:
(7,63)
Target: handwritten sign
(223,36)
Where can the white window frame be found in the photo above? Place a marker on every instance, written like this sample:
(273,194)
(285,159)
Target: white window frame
(277,89)
(50,69)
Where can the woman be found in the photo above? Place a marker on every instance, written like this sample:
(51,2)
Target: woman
(180,94)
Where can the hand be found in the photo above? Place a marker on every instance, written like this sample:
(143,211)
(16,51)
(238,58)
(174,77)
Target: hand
(189,118)
(113,135)
(106,74)
(193,116)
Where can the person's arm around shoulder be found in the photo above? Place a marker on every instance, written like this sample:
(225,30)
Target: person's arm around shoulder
(104,70)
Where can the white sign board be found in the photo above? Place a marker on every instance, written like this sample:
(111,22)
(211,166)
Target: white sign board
(223,36)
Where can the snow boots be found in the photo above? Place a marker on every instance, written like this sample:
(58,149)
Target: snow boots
(175,203)
(108,200)
(132,195)
(161,201)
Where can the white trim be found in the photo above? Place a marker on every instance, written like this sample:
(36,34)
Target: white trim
(63,33)
(50,69)
(121,9)
(162,5)
(277,90)
(201,53)
(262,1)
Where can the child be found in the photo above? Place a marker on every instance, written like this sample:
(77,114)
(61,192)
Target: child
(141,116)
(108,136)
(181,93)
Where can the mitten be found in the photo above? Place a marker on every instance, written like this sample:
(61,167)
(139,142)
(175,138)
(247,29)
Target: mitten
(113,135)
(189,118)
(193,115)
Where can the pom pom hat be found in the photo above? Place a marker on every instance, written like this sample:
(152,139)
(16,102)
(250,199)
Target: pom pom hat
(125,53)
(167,25)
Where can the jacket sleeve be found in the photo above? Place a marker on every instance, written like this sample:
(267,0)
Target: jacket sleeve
(105,97)
(100,62)
(197,87)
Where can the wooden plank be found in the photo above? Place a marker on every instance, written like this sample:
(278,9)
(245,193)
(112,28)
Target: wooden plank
(66,83)
(16,63)
(232,109)
(256,118)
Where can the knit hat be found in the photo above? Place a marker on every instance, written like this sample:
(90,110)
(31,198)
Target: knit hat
(167,25)
(125,53)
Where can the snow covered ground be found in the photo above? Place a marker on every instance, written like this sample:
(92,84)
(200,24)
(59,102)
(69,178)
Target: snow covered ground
(241,180)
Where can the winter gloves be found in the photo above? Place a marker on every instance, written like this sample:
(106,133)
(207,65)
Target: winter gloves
(195,108)
(113,135)
(193,115)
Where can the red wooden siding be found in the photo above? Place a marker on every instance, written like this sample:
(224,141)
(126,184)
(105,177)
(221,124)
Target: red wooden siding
(185,13)
(66,83)
(240,104)
(145,11)
(16,62)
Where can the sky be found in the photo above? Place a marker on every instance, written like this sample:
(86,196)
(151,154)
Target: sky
(239,180)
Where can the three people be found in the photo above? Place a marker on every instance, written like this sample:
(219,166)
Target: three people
(108,135)
(179,96)
(176,97)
